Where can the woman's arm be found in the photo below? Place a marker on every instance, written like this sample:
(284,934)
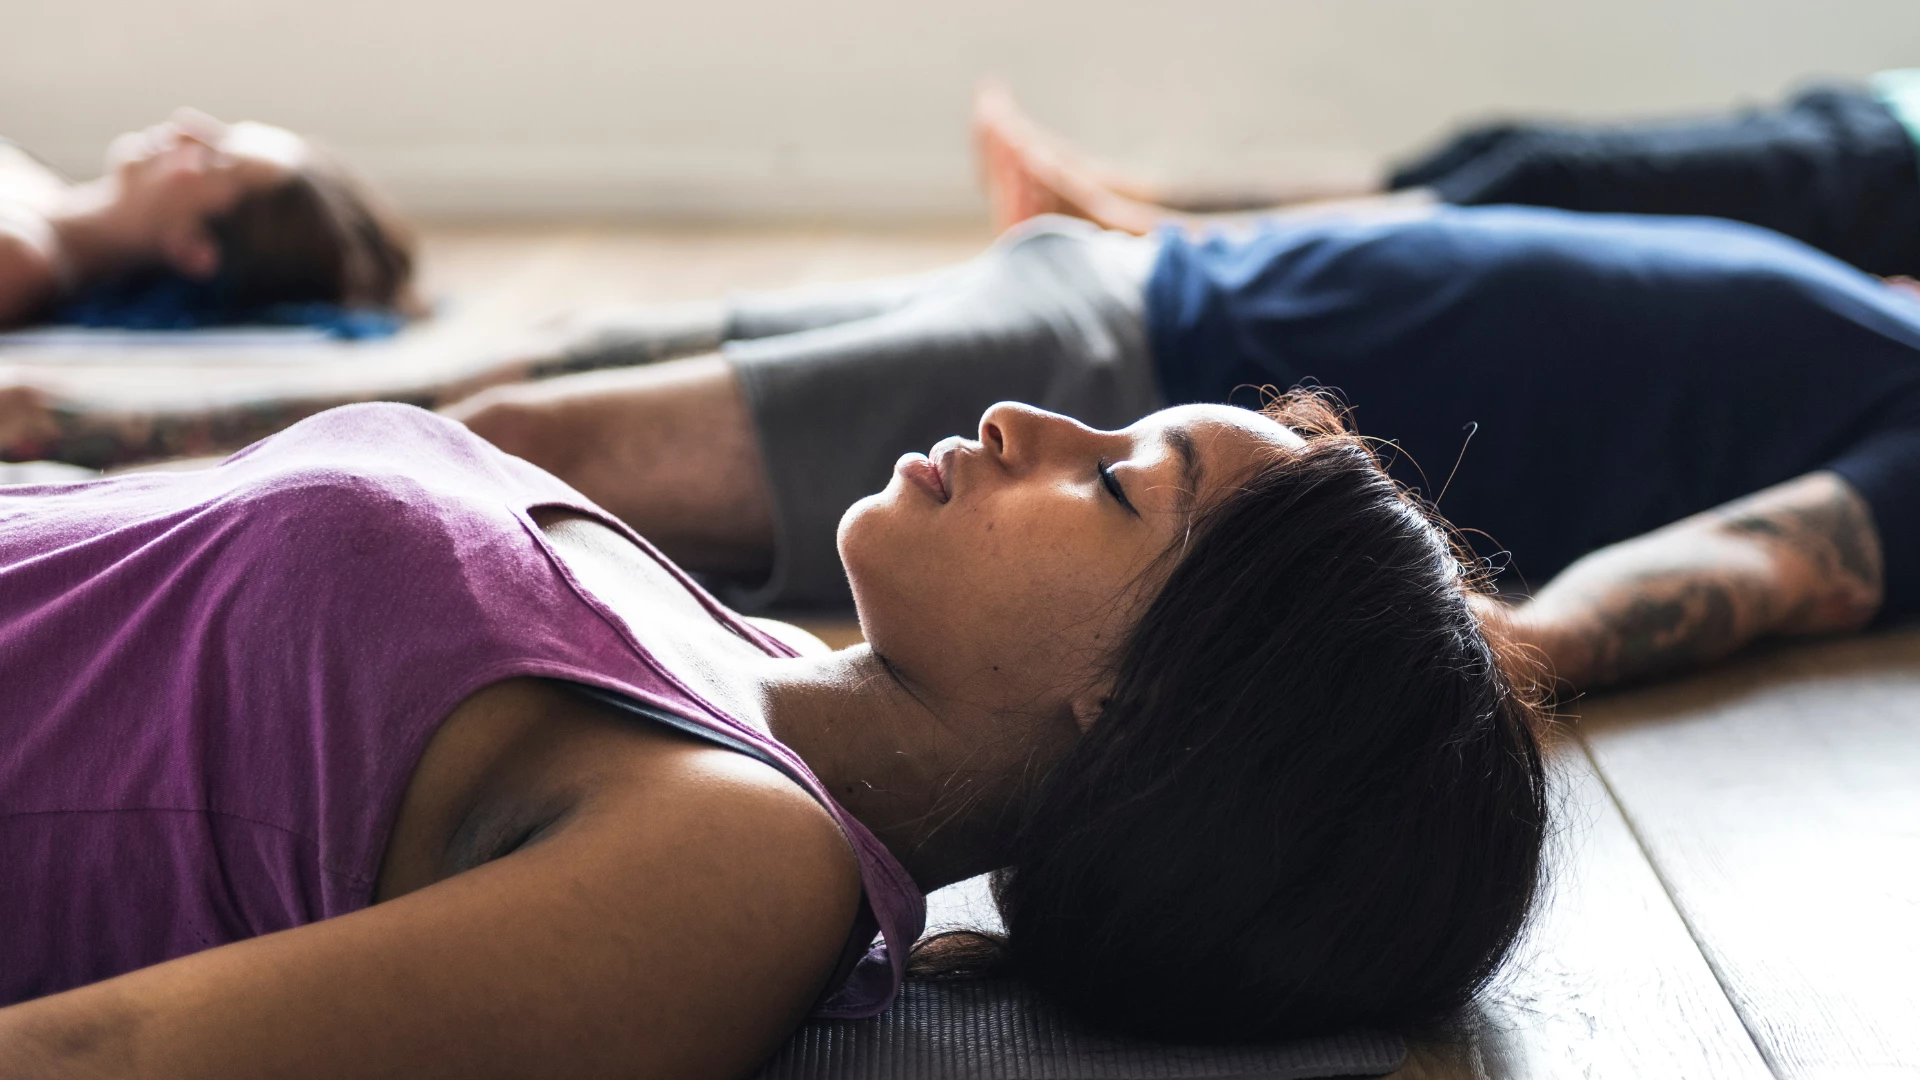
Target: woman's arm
(29,265)
(47,252)
(650,933)
(1798,558)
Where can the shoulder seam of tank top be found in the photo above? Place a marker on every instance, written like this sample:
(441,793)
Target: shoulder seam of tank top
(725,616)
(649,711)
(625,632)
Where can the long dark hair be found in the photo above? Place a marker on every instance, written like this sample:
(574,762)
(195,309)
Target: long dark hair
(1315,797)
(321,235)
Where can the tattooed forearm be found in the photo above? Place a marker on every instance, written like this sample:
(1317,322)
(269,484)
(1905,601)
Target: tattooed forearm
(1799,558)
(1662,625)
(1824,527)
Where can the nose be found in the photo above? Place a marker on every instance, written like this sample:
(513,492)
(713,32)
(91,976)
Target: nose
(198,126)
(1022,436)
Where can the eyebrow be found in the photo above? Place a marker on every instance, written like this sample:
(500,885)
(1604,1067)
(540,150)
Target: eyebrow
(1190,471)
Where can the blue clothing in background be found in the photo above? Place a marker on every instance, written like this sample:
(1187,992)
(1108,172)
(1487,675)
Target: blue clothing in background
(162,300)
(1835,166)
(1616,373)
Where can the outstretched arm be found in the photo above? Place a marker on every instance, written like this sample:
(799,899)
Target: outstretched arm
(1799,558)
(669,930)
(48,251)
(29,266)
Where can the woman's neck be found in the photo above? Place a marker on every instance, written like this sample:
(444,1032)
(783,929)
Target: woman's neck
(915,772)
(934,781)
(97,237)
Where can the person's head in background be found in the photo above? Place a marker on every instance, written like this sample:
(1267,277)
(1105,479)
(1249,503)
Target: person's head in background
(267,214)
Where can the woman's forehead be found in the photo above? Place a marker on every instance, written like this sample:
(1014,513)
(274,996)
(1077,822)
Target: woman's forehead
(265,143)
(1220,428)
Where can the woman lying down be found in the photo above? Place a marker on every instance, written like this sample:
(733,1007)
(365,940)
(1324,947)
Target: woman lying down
(197,222)
(374,751)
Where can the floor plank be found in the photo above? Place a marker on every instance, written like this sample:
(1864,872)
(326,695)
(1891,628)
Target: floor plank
(1608,983)
(1779,799)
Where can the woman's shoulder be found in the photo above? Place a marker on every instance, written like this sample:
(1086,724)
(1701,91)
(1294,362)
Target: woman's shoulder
(677,916)
(734,835)
(703,842)
(560,761)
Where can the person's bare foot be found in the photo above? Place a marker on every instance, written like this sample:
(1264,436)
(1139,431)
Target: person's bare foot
(1028,172)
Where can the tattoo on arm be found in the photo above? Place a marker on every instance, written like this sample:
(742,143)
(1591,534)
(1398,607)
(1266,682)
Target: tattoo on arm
(1799,558)
(1834,535)
(1667,626)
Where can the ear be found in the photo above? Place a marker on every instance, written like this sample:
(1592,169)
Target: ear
(192,253)
(1087,707)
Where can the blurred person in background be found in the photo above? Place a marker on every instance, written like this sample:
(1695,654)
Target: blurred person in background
(1834,167)
(1677,435)
(215,222)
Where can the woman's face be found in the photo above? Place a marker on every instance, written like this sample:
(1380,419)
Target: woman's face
(1004,571)
(172,177)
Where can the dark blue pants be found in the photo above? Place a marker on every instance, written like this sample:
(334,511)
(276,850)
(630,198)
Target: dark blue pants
(1831,168)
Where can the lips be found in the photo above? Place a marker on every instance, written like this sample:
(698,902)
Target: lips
(921,471)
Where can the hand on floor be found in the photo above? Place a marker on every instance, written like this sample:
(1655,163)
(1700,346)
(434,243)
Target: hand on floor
(26,422)
(1905,284)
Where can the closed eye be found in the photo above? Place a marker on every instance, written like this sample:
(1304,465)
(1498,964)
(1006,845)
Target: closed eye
(1112,484)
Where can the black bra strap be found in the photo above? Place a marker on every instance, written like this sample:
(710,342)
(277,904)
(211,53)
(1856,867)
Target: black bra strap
(635,707)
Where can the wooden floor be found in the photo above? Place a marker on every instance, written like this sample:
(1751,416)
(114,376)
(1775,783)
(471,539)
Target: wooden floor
(1736,870)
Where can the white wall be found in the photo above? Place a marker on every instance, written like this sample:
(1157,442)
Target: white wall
(857,107)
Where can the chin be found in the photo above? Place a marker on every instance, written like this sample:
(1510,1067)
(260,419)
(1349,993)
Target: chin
(861,535)
(883,559)
(853,536)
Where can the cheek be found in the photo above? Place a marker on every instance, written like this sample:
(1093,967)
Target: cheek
(944,562)
(986,591)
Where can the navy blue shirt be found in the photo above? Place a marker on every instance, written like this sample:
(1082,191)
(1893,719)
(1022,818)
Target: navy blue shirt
(1615,373)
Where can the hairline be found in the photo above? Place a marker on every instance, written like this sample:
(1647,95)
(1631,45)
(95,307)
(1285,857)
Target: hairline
(1192,469)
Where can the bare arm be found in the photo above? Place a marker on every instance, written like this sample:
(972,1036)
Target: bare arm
(29,266)
(47,252)
(1799,558)
(643,936)
(68,237)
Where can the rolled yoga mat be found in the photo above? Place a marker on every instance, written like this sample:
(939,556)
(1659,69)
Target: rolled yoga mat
(996,1029)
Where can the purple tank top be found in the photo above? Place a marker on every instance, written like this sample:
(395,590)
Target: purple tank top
(217,685)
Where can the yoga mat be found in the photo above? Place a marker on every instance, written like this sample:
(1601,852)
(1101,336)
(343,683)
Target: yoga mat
(123,346)
(42,472)
(995,1029)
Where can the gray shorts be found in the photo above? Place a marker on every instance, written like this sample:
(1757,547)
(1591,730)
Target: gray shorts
(840,382)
